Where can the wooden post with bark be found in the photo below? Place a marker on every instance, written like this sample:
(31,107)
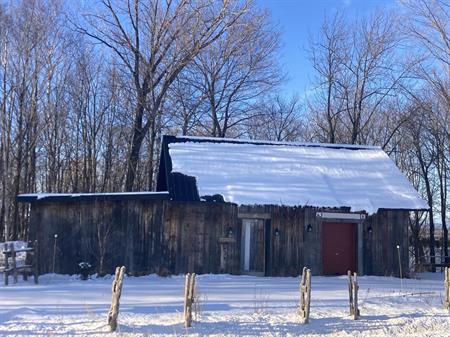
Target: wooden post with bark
(305,295)
(14,262)
(353,288)
(189,297)
(116,292)
(6,268)
(350,292)
(447,288)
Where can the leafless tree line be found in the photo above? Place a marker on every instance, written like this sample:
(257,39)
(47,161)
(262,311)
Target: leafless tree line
(385,80)
(86,93)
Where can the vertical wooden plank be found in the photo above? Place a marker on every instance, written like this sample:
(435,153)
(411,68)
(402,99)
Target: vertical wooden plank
(268,239)
(36,261)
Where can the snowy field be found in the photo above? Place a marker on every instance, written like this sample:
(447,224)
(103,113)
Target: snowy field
(228,306)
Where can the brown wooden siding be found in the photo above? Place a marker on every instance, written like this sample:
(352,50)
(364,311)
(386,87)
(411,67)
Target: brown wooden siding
(165,236)
(131,230)
(389,229)
(192,233)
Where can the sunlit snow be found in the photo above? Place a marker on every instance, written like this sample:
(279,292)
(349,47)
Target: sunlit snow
(324,176)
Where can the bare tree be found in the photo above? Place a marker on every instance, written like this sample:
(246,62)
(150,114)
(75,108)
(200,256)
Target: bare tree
(417,226)
(278,119)
(5,123)
(427,24)
(327,56)
(187,106)
(235,70)
(155,41)
(422,143)
(358,71)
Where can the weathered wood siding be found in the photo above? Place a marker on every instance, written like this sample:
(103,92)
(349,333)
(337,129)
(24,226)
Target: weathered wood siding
(131,231)
(389,229)
(150,236)
(192,233)
(288,254)
(295,247)
(313,241)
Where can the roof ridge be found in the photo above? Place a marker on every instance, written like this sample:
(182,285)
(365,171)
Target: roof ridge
(269,142)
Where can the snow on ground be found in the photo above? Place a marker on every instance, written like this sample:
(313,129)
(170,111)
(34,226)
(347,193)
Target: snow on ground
(229,306)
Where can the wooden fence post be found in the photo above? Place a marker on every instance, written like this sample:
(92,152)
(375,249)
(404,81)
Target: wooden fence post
(355,296)
(14,262)
(350,292)
(5,252)
(302,293)
(447,288)
(353,288)
(305,295)
(186,295)
(116,292)
(308,296)
(189,297)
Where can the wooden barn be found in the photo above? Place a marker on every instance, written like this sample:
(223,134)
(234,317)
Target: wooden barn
(240,207)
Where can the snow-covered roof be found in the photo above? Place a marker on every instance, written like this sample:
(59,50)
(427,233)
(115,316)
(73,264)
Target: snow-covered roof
(363,178)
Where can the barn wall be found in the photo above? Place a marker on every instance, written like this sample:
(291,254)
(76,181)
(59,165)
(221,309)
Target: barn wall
(286,251)
(197,237)
(129,231)
(175,237)
(389,229)
(295,247)
(313,241)
(286,254)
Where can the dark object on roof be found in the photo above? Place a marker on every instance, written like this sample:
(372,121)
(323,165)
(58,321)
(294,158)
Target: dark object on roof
(213,198)
(180,186)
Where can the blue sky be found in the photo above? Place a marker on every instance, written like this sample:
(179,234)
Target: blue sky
(300,18)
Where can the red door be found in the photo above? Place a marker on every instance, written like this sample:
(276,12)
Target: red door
(338,248)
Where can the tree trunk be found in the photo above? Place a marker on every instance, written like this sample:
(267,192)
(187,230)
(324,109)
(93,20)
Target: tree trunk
(137,138)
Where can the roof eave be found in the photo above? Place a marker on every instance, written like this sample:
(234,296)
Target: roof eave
(38,198)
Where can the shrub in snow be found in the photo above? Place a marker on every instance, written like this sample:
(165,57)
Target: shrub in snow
(164,272)
(85,270)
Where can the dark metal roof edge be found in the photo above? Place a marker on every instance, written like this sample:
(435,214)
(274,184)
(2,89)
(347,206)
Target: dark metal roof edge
(182,139)
(33,198)
(403,209)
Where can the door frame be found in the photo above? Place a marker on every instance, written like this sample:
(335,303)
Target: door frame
(265,219)
(355,218)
